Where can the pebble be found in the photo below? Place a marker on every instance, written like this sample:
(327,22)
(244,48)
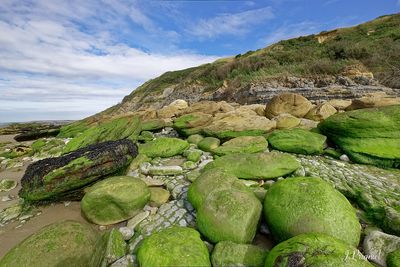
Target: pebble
(126,232)
(344,157)
(132,223)
(102,228)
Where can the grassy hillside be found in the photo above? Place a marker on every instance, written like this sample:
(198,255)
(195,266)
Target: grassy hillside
(371,47)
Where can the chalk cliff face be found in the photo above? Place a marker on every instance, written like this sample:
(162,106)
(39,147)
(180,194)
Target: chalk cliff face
(344,63)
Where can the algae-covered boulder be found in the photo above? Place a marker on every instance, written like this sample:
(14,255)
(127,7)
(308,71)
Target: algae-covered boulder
(290,103)
(242,144)
(109,248)
(63,178)
(73,129)
(209,144)
(368,136)
(298,141)
(227,253)
(317,250)
(195,139)
(229,215)
(175,246)
(257,165)
(67,243)
(114,200)
(164,147)
(210,181)
(121,128)
(307,204)
(190,124)
(226,208)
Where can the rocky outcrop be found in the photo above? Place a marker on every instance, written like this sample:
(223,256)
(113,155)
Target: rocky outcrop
(64,177)
(293,104)
(369,136)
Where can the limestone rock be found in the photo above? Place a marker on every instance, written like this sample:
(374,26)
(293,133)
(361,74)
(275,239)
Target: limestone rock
(373,101)
(209,107)
(286,121)
(175,246)
(321,112)
(242,144)
(173,109)
(114,200)
(65,243)
(305,205)
(378,245)
(293,104)
(64,177)
(339,104)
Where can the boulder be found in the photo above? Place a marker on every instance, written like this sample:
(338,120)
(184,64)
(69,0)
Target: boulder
(195,139)
(291,103)
(300,205)
(66,243)
(190,124)
(153,124)
(114,200)
(33,135)
(226,208)
(229,215)
(242,144)
(121,128)
(193,155)
(315,249)
(339,104)
(227,253)
(368,136)
(172,110)
(159,196)
(209,144)
(73,129)
(321,112)
(298,141)
(378,245)
(175,246)
(286,121)
(373,101)
(256,165)
(164,147)
(234,124)
(62,178)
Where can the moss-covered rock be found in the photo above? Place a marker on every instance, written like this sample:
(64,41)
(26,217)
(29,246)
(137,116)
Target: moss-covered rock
(209,144)
(242,144)
(228,253)
(73,129)
(290,103)
(305,205)
(62,178)
(109,248)
(257,165)
(368,136)
(153,124)
(193,155)
(229,215)
(393,259)
(195,138)
(226,208)
(192,123)
(315,249)
(65,243)
(159,196)
(7,184)
(164,147)
(175,246)
(121,128)
(114,200)
(298,141)
(210,181)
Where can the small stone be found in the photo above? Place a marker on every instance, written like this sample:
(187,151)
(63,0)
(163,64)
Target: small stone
(67,203)
(344,157)
(165,170)
(7,185)
(189,165)
(158,197)
(144,167)
(151,181)
(132,223)
(102,228)
(126,232)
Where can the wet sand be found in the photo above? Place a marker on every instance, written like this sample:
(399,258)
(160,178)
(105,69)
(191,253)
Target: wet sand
(15,232)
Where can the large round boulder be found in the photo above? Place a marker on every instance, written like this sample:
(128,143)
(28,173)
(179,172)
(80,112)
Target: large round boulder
(175,246)
(310,205)
(298,141)
(294,104)
(227,253)
(315,249)
(114,200)
(242,144)
(256,165)
(67,243)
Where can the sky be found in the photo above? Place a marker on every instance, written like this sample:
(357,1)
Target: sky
(70,59)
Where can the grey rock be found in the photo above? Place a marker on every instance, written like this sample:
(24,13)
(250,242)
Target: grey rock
(377,245)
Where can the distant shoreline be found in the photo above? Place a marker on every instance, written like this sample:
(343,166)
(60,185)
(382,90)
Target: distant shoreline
(55,122)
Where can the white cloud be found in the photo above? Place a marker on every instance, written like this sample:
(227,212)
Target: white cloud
(65,56)
(230,23)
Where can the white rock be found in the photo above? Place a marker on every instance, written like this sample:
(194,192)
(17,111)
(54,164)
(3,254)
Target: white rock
(132,223)
(344,157)
(126,232)
(377,245)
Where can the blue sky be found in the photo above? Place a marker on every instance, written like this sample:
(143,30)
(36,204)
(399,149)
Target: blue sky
(71,59)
